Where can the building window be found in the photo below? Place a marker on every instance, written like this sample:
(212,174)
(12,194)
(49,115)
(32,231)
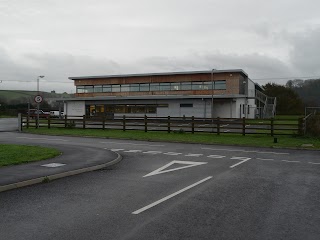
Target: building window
(134,87)
(88,89)
(197,85)
(144,87)
(115,88)
(151,109)
(175,86)
(80,89)
(106,88)
(98,88)
(220,85)
(125,88)
(154,87)
(164,86)
(186,105)
(207,86)
(186,86)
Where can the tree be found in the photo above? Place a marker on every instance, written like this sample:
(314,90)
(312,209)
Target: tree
(288,101)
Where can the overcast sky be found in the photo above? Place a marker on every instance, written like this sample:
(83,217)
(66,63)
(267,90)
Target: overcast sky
(61,38)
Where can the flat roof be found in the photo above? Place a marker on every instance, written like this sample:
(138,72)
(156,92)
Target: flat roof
(160,74)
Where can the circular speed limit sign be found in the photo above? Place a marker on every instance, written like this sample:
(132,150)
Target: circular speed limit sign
(38,99)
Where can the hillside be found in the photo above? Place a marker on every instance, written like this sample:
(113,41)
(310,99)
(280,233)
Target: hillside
(10,96)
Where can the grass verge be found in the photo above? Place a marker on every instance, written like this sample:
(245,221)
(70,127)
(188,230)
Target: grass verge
(17,154)
(205,138)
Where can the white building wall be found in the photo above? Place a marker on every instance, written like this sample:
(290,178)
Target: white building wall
(75,108)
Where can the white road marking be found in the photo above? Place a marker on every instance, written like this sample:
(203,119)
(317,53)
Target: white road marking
(235,150)
(193,155)
(136,144)
(266,159)
(313,163)
(290,161)
(47,139)
(152,152)
(133,151)
(170,196)
(116,150)
(53,165)
(215,156)
(172,153)
(244,159)
(187,164)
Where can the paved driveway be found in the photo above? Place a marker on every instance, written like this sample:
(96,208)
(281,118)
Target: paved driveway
(8,124)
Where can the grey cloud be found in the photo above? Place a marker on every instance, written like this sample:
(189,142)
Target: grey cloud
(305,53)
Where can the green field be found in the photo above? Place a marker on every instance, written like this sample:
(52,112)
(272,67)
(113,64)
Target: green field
(17,154)
(205,138)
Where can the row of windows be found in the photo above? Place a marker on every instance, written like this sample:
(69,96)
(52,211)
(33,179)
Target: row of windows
(96,110)
(146,87)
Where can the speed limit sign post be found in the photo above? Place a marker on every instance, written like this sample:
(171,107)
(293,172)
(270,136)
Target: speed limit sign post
(38,99)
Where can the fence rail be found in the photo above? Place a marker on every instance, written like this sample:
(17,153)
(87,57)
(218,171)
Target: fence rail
(175,124)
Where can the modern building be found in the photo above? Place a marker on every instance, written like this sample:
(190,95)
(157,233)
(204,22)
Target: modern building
(216,93)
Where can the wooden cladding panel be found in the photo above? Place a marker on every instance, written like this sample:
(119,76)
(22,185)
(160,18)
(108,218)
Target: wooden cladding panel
(158,79)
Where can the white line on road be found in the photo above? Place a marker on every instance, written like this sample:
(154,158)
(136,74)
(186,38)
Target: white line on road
(172,153)
(215,156)
(152,152)
(266,159)
(170,196)
(235,150)
(244,159)
(313,163)
(135,144)
(47,139)
(116,150)
(133,151)
(290,161)
(193,155)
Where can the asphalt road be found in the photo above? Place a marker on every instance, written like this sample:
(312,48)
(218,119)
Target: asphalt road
(170,191)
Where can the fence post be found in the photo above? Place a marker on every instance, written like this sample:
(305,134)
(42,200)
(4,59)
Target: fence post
(49,122)
(301,126)
(65,121)
(192,124)
(145,123)
(243,126)
(103,122)
(20,122)
(218,125)
(124,123)
(28,121)
(272,126)
(169,130)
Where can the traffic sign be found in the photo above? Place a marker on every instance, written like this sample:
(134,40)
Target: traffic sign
(38,99)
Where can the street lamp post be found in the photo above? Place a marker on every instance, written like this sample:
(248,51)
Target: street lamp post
(212,88)
(38,92)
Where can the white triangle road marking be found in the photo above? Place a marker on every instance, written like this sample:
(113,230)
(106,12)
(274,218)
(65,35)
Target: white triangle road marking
(187,164)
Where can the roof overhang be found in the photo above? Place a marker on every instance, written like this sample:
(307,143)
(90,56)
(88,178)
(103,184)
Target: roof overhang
(161,74)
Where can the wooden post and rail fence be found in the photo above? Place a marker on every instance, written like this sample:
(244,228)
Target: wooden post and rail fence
(169,124)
